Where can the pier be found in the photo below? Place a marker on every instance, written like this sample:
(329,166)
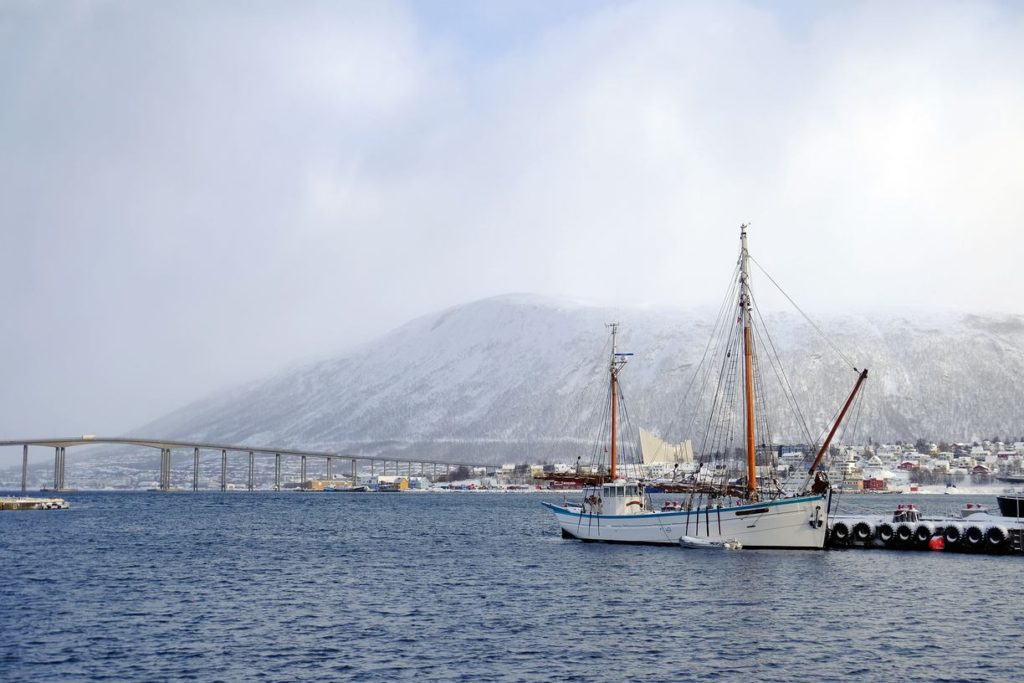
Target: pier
(167,447)
(975,531)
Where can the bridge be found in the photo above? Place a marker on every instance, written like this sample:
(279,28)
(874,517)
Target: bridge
(60,446)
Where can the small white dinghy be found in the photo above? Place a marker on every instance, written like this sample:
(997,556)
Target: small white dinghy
(694,543)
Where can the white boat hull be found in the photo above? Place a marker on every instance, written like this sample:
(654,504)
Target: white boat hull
(785,523)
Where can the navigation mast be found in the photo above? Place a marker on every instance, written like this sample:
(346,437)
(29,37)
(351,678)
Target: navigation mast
(748,365)
(617,361)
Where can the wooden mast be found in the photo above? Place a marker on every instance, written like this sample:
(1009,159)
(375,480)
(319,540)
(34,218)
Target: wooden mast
(613,371)
(832,432)
(748,365)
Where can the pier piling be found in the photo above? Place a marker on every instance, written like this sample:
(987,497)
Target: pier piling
(252,462)
(195,469)
(165,469)
(24,467)
(223,470)
(277,471)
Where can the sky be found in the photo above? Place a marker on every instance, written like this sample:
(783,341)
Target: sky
(195,194)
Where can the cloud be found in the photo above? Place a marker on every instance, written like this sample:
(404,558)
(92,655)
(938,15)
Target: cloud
(193,195)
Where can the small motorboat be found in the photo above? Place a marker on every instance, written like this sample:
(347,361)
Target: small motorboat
(694,543)
(1011,505)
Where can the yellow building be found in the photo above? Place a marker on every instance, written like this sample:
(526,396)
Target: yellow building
(390,483)
(321,484)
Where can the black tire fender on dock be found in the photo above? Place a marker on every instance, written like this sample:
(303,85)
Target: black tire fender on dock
(864,532)
(974,535)
(952,534)
(840,533)
(997,536)
(923,533)
(904,533)
(885,533)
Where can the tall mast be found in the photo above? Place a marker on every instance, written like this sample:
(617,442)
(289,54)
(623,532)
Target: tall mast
(616,363)
(613,372)
(748,364)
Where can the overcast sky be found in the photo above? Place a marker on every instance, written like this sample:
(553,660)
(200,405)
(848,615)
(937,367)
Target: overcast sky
(193,194)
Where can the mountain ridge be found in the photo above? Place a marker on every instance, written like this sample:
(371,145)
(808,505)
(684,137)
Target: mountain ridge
(521,377)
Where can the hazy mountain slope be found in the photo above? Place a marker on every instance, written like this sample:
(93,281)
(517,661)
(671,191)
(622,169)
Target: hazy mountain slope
(522,377)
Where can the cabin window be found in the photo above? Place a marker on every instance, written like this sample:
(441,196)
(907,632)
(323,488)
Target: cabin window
(631,491)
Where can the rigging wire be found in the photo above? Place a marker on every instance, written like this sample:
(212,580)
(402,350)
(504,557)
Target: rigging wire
(631,457)
(763,449)
(627,439)
(723,347)
(850,426)
(603,429)
(720,432)
(780,372)
(596,424)
(716,396)
(817,329)
(703,368)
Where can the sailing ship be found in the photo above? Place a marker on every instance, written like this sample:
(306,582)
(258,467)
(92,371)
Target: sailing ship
(750,510)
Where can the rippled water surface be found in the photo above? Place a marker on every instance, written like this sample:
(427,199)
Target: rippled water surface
(263,586)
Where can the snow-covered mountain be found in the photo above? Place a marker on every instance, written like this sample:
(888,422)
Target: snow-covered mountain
(522,377)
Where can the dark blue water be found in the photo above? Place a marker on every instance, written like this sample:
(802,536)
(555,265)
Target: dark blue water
(471,587)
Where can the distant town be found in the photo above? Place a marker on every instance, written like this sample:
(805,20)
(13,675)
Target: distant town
(895,467)
(921,463)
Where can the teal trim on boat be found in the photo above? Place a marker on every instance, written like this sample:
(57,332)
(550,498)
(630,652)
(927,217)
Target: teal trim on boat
(559,510)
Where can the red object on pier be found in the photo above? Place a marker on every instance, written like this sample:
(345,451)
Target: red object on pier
(937,543)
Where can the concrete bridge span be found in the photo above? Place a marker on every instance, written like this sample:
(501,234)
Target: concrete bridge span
(166,446)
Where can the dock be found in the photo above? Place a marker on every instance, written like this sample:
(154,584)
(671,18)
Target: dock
(33,504)
(975,531)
